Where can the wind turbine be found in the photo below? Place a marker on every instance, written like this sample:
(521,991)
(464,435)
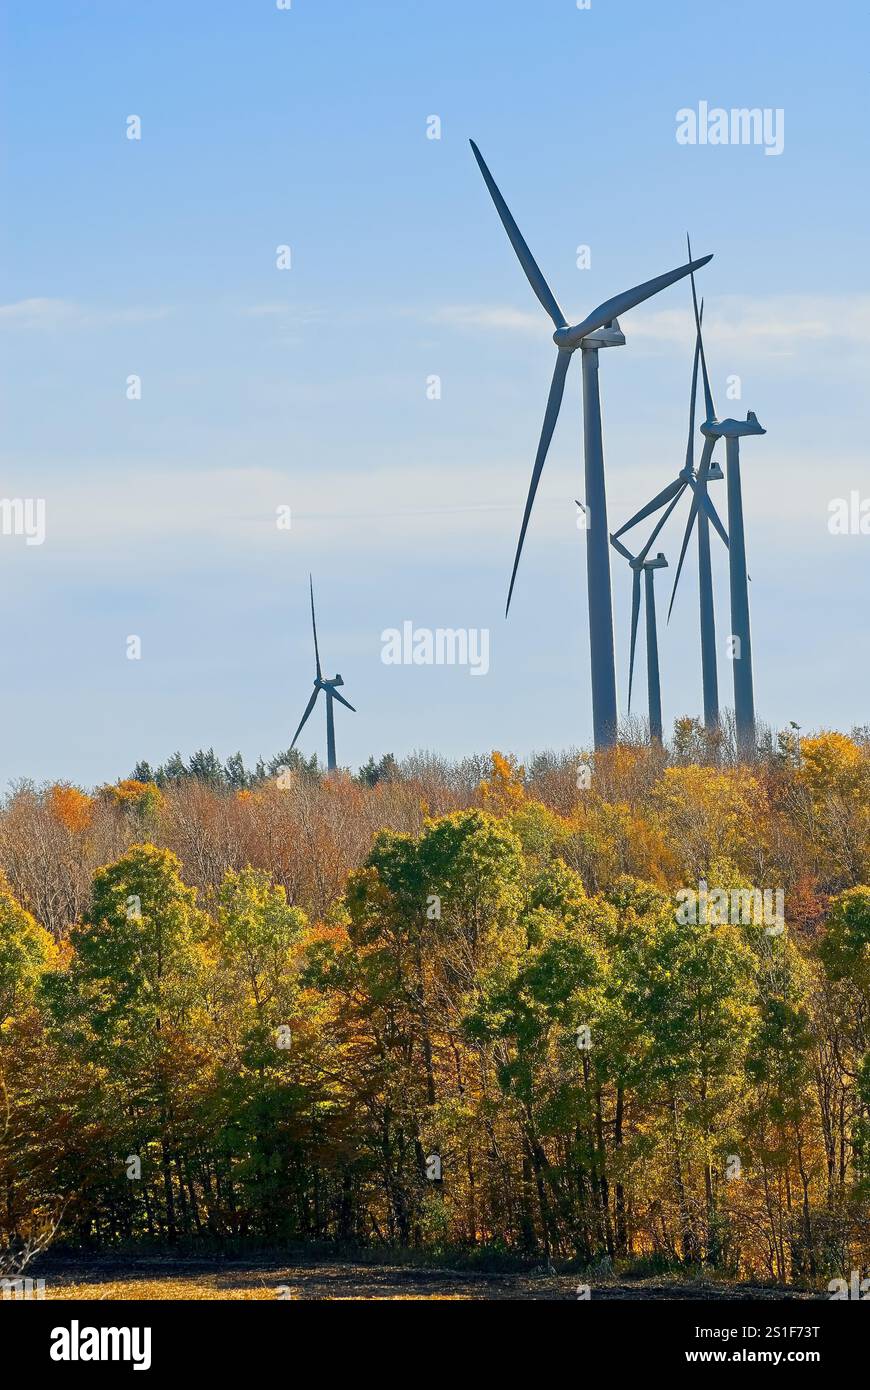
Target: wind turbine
(639,564)
(732,431)
(599,329)
(328,686)
(702,511)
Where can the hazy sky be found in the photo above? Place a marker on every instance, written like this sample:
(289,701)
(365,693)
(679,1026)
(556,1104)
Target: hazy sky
(307,387)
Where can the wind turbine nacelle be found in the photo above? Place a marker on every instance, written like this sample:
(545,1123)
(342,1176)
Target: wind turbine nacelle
(734,429)
(714,473)
(659,563)
(336,681)
(611,335)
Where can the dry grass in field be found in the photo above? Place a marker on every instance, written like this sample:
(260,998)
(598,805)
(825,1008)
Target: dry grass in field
(267,1284)
(199,1289)
(146,1281)
(150,1289)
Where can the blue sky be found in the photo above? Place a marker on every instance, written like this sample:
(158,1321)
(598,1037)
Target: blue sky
(307,387)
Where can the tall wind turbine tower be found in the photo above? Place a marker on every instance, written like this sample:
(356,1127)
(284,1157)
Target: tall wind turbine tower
(599,329)
(732,431)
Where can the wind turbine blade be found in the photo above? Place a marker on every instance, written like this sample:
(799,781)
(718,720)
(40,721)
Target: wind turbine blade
(672,490)
(703,499)
(635,612)
(308,708)
(551,415)
(659,524)
(524,255)
(621,303)
(342,701)
(708,394)
(693,512)
(314,629)
(690,447)
(617,545)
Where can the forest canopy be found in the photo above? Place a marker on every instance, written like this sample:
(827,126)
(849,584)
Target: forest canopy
(451,1007)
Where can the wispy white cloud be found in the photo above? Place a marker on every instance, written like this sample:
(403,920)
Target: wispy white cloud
(259,311)
(778,325)
(195,515)
(36,313)
(773,325)
(64,313)
(762,326)
(280,309)
(235,510)
(496,316)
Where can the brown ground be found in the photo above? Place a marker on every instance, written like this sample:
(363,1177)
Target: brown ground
(262,1279)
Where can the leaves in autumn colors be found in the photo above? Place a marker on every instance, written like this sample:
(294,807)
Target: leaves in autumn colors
(26,950)
(282,1000)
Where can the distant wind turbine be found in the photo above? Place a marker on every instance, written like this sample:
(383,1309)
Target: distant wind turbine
(599,329)
(328,686)
(639,564)
(702,511)
(732,431)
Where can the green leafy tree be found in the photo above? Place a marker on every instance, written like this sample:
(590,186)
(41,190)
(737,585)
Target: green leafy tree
(26,952)
(131,1005)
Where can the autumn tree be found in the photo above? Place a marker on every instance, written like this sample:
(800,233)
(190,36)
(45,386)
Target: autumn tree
(130,1005)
